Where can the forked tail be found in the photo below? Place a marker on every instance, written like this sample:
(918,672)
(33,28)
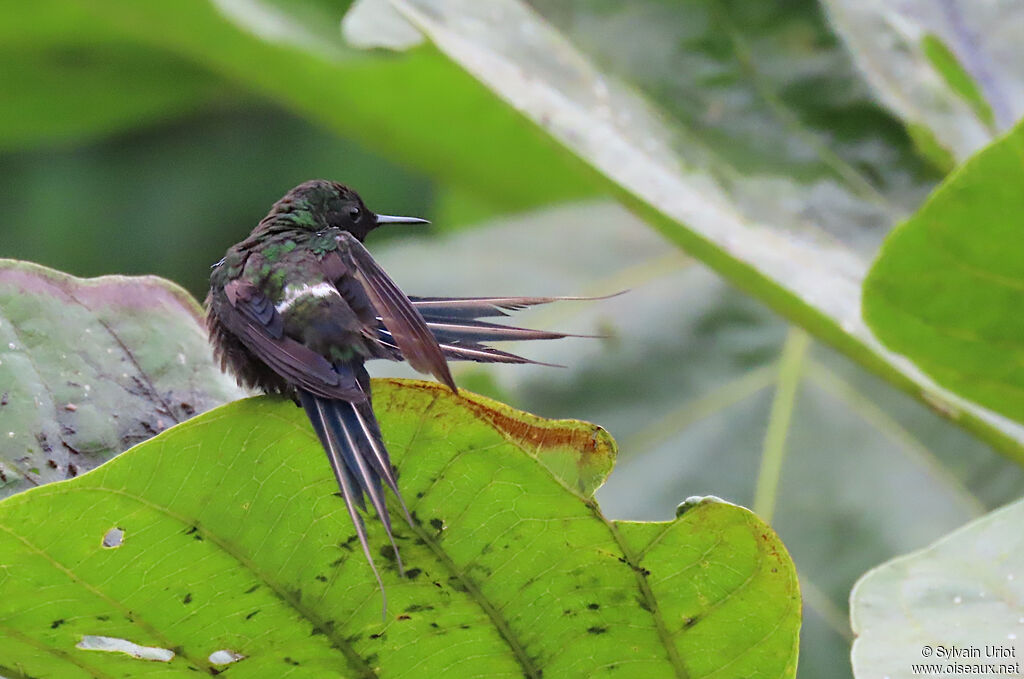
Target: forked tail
(351,438)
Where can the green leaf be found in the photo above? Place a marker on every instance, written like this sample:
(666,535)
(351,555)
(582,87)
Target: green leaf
(952,67)
(233,540)
(929,147)
(948,286)
(964,591)
(956,77)
(90,367)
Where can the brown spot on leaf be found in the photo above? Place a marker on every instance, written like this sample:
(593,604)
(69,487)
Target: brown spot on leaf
(535,435)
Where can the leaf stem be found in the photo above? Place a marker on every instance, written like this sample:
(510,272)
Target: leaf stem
(790,370)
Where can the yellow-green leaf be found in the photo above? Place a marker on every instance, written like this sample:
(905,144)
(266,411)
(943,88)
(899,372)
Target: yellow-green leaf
(947,289)
(223,539)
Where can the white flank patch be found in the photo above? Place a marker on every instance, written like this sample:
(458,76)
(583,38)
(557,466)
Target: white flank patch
(294,293)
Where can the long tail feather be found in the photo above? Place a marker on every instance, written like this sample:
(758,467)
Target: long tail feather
(455,324)
(379,459)
(447,308)
(319,416)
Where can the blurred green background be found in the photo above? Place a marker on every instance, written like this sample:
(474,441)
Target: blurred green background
(147,139)
(169,197)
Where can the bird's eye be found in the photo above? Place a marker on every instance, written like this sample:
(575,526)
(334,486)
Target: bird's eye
(355,213)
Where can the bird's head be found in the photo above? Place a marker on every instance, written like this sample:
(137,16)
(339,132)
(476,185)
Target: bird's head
(319,204)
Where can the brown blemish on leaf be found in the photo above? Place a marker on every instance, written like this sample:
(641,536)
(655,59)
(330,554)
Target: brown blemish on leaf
(534,435)
(559,444)
(524,428)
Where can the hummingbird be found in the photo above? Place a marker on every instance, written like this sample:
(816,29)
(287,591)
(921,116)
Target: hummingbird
(299,307)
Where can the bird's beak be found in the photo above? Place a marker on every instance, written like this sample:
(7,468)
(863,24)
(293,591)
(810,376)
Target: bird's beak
(390,219)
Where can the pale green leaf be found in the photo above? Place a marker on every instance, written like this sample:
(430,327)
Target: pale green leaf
(685,380)
(956,602)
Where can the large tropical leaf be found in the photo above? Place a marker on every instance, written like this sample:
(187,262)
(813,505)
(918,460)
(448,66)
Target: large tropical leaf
(223,539)
(737,129)
(90,367)
(417,107)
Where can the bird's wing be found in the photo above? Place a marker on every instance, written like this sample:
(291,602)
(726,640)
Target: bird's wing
(404,323)
(250,315)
